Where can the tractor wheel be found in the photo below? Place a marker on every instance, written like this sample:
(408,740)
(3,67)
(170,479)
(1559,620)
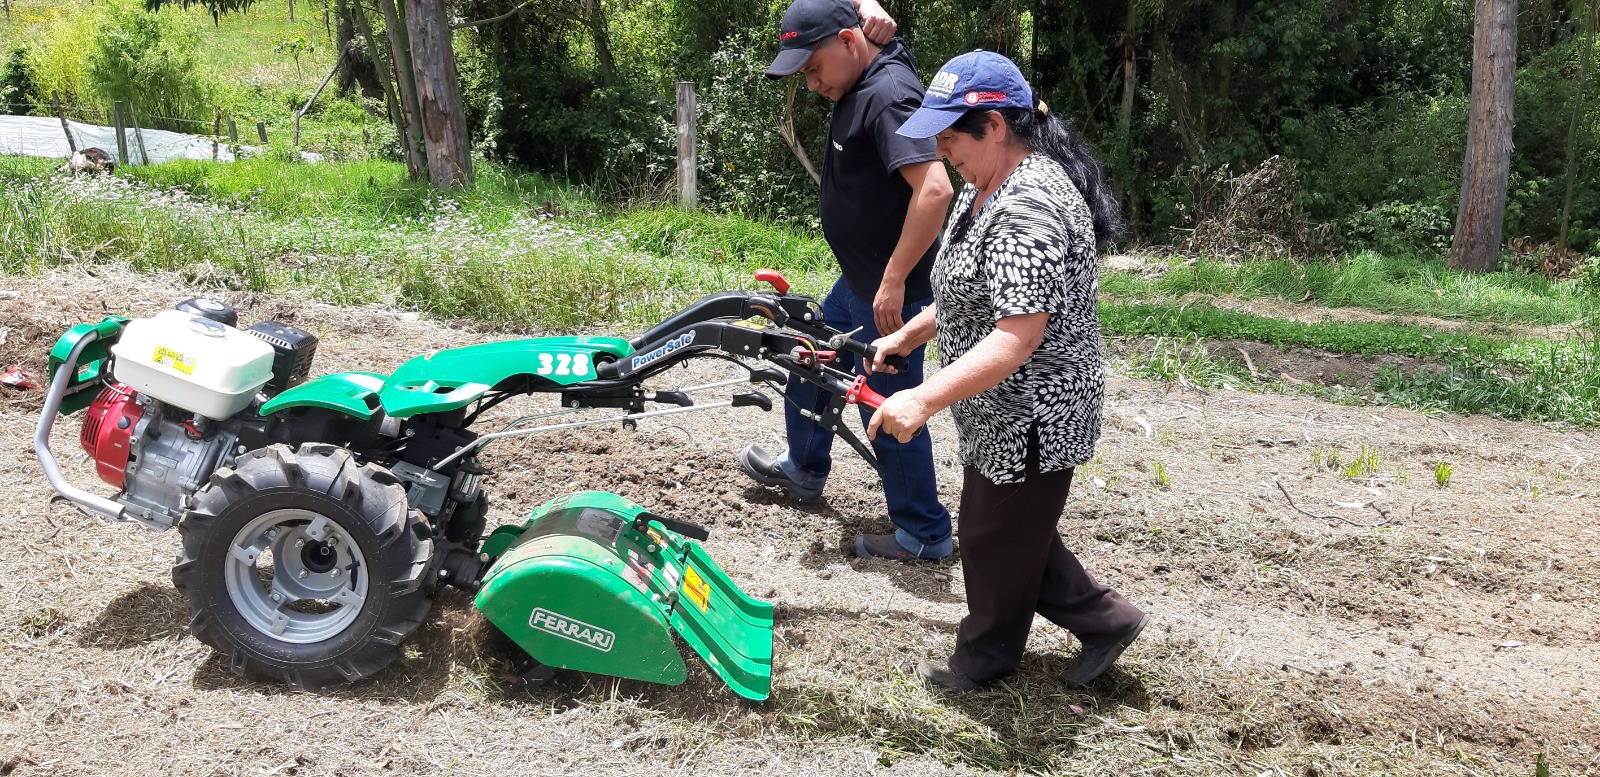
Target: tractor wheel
(302,567)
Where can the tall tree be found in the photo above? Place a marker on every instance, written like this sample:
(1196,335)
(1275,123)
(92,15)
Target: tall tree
(1480,220)
(1577,114)
(429,116)
(446,144)
(357,67)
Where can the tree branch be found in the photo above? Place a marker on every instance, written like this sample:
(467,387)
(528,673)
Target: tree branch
(492,20)
(1310,514)
(786,131)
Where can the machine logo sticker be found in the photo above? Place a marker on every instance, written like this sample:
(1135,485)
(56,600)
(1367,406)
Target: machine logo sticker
(673,345)
(574,630)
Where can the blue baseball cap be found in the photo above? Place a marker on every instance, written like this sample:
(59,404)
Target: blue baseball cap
(805,24)
(978,79)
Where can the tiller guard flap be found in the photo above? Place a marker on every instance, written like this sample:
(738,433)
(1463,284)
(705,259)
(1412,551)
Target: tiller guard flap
(593,582)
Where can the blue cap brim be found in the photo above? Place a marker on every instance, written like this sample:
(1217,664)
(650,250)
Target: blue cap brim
(927,122)
(789,61)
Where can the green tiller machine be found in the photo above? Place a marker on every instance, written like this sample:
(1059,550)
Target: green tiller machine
(319,517)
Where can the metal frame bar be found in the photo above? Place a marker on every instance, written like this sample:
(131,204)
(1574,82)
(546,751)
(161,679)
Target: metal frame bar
(98,505)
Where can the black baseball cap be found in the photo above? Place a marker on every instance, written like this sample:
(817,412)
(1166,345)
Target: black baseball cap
(805,24)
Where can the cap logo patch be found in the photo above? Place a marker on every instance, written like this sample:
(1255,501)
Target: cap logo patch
(788,35)
(943,84)
(973,98)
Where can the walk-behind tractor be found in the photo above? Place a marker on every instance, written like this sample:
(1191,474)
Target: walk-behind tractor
(318,518)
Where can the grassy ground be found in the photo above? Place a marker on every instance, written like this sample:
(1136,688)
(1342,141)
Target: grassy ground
(517,251)
(1407,286)
(522,252)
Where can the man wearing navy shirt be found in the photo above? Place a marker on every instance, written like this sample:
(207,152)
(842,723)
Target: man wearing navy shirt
(883,202)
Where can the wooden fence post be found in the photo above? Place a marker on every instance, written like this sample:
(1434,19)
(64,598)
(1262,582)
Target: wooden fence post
(138,134)
(122,132)
(72,144)
(216,133)
(233,132)
(261,129)
(687,182)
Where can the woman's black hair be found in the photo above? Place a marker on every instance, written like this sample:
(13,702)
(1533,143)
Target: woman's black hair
(1045,133)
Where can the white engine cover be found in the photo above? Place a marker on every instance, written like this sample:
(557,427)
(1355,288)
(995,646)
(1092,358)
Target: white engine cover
(193,363)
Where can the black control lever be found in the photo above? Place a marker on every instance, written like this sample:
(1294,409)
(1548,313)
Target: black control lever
(670,397)
(641,524)
(753,399)
(769,375)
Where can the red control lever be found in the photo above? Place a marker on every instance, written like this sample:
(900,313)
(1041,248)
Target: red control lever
(775,278)
(812,358)
(861,394)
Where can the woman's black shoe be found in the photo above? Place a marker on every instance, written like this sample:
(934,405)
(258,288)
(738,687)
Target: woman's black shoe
(1094,660)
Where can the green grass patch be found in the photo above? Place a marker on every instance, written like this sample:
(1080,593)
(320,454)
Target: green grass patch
(1150,320)
(523,252)
(1398,285)
(1524,378)
(516,250)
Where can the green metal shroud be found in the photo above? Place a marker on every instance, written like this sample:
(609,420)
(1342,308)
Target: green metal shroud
(82,387)
(451,379)
(579,587)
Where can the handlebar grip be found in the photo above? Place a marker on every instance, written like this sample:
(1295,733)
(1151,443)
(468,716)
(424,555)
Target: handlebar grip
(896,361)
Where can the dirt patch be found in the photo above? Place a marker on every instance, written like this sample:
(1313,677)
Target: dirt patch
(1459,636)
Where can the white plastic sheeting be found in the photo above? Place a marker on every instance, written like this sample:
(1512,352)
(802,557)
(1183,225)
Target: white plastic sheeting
(41,136)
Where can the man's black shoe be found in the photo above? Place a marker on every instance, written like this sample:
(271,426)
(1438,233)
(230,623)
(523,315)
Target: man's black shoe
(763,468)
(886,546)
(940,674)
(1094,660)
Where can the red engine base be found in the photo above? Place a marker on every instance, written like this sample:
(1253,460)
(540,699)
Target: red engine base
(107,429)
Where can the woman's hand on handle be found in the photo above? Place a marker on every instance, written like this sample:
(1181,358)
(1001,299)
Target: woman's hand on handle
(884,348)
(900,416)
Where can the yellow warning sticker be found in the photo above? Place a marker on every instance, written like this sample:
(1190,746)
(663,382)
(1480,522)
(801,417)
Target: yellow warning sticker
(175,360)
(697,589)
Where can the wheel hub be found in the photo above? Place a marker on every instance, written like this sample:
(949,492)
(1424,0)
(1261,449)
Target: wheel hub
(296,575)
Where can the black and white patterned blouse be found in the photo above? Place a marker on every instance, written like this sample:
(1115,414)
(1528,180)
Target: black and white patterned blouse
(1030,250)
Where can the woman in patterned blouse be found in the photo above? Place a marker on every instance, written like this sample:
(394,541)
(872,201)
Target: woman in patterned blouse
(1019,339)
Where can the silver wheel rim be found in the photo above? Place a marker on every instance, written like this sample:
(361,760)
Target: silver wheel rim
(297,576)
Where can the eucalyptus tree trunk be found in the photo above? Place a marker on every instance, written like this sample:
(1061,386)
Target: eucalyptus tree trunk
(595,19)
(357,69)
(1572,128)
(444,129)
(1480,220)
(1130,79)
(405,83)
(390,99)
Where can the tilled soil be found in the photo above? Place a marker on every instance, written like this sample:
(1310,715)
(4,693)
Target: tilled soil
(1379,622)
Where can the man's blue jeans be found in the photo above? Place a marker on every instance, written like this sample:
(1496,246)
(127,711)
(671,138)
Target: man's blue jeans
(922,524)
